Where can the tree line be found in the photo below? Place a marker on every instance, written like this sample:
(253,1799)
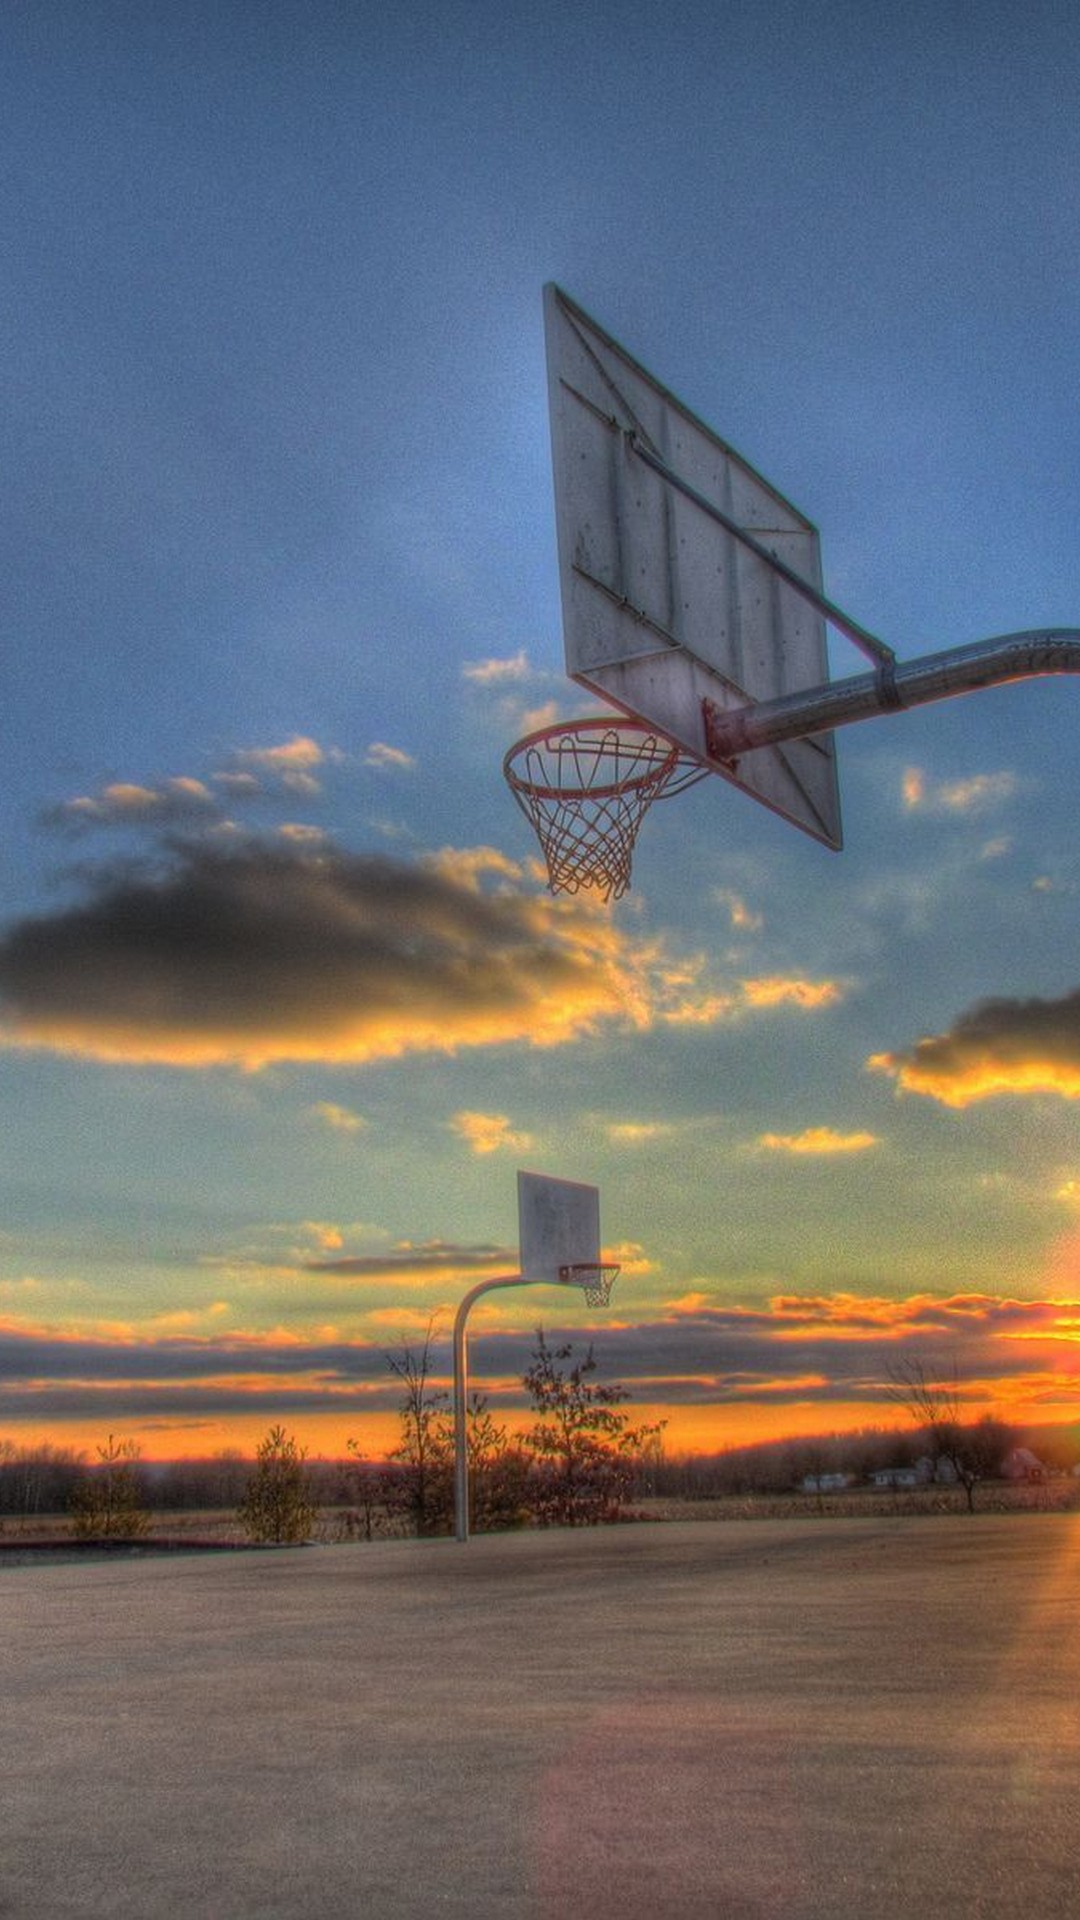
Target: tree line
(579,1462)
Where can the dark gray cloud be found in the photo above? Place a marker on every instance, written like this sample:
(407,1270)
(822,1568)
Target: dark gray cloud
(434,1254)
(799,1351)
(35,1356)
(999,1046)
(248,955)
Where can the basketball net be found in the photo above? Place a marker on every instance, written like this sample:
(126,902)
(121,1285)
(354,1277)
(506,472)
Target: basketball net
(586,786)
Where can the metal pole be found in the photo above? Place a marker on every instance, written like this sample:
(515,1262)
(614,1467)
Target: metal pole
(461,1392)
(730,731)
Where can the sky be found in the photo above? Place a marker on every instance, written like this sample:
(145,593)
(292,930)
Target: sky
(284,999)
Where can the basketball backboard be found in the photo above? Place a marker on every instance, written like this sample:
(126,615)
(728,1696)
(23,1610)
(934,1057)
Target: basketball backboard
(679,569)
(558,1226)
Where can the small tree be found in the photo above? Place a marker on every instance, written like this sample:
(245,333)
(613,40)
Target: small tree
(373,1490)
(425,1453)
(585,1455)
(498,1471)
(107,1503)
(277,1509)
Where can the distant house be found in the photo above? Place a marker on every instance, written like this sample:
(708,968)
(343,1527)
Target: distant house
(1022,1464)
(936,1472)
(896,1477)
(825,1482)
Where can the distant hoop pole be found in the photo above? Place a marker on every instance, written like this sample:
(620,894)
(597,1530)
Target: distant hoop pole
(731,731)
(595,1278)
(461,1391)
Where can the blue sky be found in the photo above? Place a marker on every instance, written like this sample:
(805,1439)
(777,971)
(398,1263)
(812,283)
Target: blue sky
(283,1003)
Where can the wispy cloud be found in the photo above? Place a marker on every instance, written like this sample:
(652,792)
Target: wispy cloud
(977,794)
(385,758)
(497,672)
(125,803)
(637,1133)
(779,990)
(290,765)
(823,1141)
(340,1119)
(1000,1046)
(743,918)
(489,1132)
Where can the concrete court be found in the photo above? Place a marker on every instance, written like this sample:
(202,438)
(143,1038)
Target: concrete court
(862,1718)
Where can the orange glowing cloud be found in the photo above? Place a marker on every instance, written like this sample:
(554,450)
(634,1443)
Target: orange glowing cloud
(489,1132)
(689,1002)
(818,1140)
(779,991)
(1000,1046)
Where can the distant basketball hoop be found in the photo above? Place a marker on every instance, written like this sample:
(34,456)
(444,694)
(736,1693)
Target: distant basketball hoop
(595,1278)
(585,786)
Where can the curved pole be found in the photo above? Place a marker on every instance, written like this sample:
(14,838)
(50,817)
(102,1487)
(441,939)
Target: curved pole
(730,731)
(461,1391)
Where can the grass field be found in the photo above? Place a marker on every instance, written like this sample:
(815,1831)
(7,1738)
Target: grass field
(336,1525)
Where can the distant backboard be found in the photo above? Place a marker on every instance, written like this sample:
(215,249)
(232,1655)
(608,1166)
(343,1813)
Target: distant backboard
(558,1226)
(664,605)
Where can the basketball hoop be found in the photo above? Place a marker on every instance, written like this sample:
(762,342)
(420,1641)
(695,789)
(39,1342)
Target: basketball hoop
(586,786)
(595,1278)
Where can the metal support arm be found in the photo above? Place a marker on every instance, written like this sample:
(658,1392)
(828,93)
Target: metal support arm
(461,1393)
(731,731)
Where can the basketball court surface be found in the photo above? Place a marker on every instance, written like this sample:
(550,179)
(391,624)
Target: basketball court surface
(819,1720)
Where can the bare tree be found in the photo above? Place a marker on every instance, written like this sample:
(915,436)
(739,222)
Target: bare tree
(425,1453)
(972,1452)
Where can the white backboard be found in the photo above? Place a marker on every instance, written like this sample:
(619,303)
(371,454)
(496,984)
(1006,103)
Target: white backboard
(664,606)
(558,1225)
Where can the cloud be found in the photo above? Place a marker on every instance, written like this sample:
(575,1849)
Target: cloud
(267,953)
(384,758)
(496,672)
(489,1132)
(301,835)
(251,952)
(638,1133)
(325,1232)
(124,803)
(289,765)
(341,1119)
(407,1260)
(818,1141)
(977,794)
(778,990)
(822,1350)
(742,917)
(1000,1046)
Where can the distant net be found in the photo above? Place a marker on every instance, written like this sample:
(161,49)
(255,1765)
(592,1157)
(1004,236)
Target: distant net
(595,1278)
(586,786)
